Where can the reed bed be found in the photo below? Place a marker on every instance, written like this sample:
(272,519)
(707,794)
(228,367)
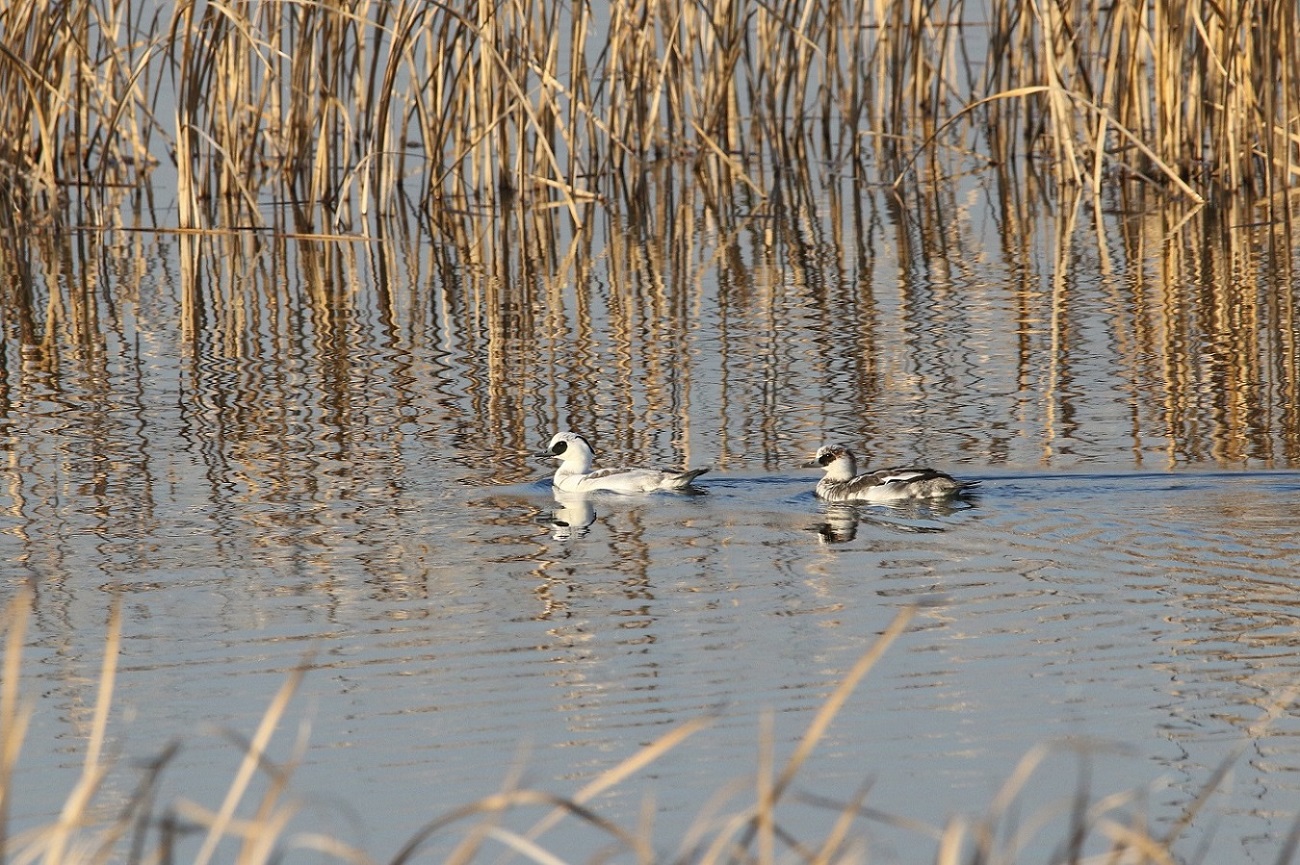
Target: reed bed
(315,115)
(139,828)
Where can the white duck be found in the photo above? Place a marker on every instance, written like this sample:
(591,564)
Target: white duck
(842,483)
(576,475)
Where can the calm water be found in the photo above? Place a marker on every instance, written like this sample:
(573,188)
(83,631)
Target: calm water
(276,449)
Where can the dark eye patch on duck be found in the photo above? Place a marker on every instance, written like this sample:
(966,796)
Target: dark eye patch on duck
(559,448)
(826,459)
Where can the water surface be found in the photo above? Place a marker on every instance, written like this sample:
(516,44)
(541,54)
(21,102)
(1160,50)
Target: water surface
(283,450)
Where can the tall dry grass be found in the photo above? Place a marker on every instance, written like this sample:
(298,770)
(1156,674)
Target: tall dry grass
(315,114)
(138,828)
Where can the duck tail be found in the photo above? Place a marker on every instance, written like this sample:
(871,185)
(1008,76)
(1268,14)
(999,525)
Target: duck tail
(685,479)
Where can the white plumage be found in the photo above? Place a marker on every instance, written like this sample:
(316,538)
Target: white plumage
(575,473)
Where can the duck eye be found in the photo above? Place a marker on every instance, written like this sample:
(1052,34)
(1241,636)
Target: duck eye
(826,459)
(559,448)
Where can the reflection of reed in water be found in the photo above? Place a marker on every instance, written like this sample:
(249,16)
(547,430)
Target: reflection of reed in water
(680,327)
(1210,325)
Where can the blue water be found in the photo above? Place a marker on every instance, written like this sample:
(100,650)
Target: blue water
(338,472)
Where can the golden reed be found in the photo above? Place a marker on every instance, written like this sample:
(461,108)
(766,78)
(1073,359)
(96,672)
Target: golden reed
(328,112)
(99,825)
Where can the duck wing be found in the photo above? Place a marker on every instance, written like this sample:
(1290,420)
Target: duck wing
(601,474)
(923,482)
(640,479)
(899,482)
(902,476)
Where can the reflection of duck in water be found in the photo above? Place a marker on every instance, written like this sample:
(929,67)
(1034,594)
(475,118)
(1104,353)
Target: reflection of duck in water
(840,525)
(840,521)
(842,482)
(573,516)
(575,473)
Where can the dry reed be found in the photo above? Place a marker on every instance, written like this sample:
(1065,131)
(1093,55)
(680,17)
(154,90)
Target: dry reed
(317,114)
(753,834)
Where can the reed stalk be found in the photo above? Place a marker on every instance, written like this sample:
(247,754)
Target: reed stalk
(754,832)
(321,113)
